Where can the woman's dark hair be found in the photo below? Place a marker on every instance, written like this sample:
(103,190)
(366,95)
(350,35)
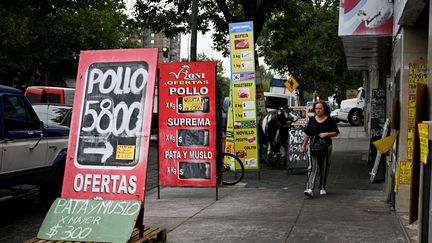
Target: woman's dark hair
(325,106)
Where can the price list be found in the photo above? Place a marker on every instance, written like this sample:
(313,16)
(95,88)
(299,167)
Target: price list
(187,124)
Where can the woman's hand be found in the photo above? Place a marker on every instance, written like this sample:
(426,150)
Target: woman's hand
(303,149)
(323,134)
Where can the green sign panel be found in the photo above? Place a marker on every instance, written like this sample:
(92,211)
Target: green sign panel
(90,220)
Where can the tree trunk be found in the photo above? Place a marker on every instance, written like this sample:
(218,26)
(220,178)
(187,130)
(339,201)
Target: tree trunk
(321,88)
(302,101)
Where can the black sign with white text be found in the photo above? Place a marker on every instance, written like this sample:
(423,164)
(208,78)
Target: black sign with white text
(378,112)
(112,115)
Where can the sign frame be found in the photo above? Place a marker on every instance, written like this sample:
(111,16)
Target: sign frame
(187,136)
(88,220)
(111,179)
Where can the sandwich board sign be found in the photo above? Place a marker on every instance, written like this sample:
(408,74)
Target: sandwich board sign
(72,219)
(108,147)
(187,124)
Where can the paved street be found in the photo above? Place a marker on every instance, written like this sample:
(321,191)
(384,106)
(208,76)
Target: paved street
(270,209)
(274,209)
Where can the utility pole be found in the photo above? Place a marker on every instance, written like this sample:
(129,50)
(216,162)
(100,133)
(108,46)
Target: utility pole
(194,27)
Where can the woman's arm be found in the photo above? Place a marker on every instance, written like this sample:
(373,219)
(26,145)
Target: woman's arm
(305,141)
(328,134)
(331,127)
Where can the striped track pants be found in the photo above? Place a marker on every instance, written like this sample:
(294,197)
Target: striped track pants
(321,165)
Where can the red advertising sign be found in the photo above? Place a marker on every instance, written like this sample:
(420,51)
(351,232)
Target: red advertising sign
(367,17)
(187,124)
(110,129)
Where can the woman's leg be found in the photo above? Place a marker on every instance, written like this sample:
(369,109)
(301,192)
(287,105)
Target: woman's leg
(321,170)
(312,172)
(324,168)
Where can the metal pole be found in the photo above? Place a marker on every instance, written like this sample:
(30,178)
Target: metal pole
(194,26)
(188,48)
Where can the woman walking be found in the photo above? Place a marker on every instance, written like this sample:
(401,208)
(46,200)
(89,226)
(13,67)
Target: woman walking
(323,126)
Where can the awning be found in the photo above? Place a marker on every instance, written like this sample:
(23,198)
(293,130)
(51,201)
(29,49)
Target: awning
(366,52)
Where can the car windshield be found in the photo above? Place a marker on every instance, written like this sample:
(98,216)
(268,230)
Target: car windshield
(53,114)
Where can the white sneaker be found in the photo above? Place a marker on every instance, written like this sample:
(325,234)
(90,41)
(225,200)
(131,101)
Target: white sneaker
(323,192)
(308,192)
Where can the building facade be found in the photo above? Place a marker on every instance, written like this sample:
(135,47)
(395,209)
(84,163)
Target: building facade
(159,40)
(391,42)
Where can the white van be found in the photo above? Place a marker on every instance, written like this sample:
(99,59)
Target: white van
(277,100)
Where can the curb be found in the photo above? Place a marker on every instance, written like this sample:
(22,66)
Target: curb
(404,224)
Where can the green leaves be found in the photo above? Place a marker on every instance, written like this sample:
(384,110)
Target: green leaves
(47,35)
(303,40)
(173,17)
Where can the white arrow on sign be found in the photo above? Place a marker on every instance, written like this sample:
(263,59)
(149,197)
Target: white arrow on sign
(106,152)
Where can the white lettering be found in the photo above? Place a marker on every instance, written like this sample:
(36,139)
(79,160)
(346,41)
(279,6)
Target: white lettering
(188,91)
(98,183)
(78,182)
(191,122)
(114,81)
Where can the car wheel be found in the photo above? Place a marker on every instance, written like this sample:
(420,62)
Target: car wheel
(355,118)
(49,191)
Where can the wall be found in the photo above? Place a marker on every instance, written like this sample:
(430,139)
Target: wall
(402,201)
(429,53)
(410,48)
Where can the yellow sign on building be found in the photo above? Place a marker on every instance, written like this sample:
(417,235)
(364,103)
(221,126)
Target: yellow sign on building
(424,141)
(405,172)
(291,84)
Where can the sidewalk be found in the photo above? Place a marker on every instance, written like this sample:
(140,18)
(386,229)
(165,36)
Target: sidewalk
(274,209)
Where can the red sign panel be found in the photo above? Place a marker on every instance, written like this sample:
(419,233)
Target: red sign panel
(110,129)
(187,124)
(367,17)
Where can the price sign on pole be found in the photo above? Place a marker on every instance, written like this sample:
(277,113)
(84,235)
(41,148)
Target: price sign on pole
(187,124)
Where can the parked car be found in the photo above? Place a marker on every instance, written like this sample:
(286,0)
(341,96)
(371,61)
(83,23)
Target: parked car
(47,94)
(53,114)
(334,115)
(32,152)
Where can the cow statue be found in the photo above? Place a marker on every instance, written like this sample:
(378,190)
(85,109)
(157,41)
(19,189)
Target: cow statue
(275,127)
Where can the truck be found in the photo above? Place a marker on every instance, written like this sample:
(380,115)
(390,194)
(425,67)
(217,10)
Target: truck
(277,100)
(47,94)
(279,96)
(351,110)
(32,153)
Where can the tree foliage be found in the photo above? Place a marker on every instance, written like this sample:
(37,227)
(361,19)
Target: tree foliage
(296,36)
(220,70)
(45,36)
(305,43)
(266,77)
(173,17)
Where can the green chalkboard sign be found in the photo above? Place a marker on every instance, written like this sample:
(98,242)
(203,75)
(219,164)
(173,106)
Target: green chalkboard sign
(90,220)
